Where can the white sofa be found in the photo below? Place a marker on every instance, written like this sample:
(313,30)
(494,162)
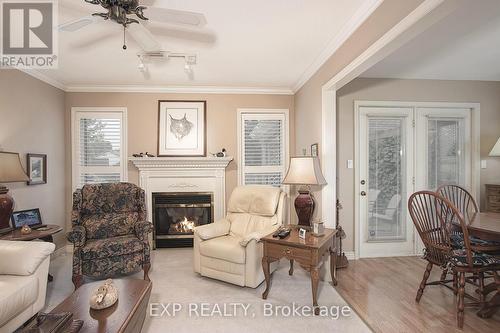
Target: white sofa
(230,249)
(24,267)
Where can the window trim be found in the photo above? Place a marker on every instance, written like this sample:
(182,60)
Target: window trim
(74,158)
(249,111)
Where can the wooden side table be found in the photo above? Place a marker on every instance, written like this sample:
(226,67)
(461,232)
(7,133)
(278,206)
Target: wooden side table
(45,234)
(309,253)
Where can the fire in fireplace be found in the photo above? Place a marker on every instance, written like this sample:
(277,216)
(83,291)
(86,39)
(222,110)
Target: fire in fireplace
(175,215)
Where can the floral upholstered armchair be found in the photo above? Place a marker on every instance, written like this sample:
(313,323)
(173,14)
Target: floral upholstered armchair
(110,231)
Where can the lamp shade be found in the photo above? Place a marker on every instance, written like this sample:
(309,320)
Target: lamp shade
(11,169)
(496,149)
(304,171)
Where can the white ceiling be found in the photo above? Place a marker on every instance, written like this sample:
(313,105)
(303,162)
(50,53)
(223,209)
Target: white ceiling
(264,44)
(463,46)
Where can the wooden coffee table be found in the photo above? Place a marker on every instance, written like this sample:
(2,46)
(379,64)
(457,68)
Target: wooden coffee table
(309,253)
(126,315)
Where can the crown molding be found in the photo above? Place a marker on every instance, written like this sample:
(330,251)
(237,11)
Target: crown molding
(347,30)
(44,78)
(180,89)
(157,89)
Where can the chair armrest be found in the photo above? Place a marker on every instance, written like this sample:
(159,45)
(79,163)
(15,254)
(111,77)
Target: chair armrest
(142,229)
(257,235)
(77,236)
(23,258)
(217,229)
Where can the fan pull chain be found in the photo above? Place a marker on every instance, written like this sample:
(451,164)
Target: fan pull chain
(124,41)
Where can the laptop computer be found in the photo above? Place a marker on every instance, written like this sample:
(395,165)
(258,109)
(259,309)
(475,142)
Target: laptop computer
(30,217)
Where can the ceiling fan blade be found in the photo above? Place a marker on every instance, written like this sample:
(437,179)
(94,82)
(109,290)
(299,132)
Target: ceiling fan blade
(77,24)
(164,15)
(143,37)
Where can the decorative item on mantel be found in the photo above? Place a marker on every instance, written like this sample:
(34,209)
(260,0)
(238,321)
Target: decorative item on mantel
(146,154)
(222,153)
(11,171)
(304,171)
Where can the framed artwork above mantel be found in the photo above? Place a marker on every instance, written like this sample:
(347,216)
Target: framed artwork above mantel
(182,128)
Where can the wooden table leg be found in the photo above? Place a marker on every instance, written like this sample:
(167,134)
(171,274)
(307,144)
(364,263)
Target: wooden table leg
(290,271)
(333,266)
(314,285)
(266,269)
(49,239)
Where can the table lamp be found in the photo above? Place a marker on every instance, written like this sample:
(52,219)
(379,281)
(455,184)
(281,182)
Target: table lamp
(11,171)
(495,151)
(304,171)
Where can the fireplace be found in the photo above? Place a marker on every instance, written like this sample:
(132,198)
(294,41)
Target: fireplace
(176,214)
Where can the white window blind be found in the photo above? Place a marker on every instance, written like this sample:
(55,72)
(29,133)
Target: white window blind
(263,139)
(99,154)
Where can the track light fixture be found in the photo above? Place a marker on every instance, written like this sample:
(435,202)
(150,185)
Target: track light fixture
(189,59)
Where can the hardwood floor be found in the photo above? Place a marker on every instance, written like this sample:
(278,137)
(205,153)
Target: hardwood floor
(382,291)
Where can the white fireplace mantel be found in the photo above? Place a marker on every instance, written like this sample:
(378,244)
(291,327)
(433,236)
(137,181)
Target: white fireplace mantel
(154,163)
(184,174)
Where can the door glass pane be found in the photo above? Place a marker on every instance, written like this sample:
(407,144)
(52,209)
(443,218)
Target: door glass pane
(386,179)
(445,158)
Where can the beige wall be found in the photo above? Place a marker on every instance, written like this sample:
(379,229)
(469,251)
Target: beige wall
(308,98)
(32,121)
(485,93)
(142,111)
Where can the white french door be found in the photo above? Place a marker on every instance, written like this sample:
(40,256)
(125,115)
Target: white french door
(402,150)
(386,176)
(444,149)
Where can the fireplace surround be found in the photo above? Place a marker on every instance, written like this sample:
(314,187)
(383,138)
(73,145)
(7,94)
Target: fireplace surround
(183,175)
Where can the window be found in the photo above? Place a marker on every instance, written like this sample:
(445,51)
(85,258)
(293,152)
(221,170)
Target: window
(263,146)
(99,145)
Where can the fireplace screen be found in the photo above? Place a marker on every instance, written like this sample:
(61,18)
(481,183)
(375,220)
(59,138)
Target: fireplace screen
(176,214)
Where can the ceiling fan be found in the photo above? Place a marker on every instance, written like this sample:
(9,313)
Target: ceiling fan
(130,14)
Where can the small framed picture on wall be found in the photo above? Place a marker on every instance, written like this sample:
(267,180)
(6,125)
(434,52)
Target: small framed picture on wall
(37,169)
(315,150)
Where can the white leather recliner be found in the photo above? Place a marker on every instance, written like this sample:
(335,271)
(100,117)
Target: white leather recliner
(24,267)
(230,249)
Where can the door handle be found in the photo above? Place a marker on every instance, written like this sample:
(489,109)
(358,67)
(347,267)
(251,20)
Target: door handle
(363,193)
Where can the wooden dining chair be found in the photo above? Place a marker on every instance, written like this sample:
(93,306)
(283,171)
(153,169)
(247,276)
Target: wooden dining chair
(464,202)
(424,207)
(468,261)
(434,217)
(460,198)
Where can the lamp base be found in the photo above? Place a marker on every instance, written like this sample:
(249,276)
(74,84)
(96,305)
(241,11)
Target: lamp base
(304,206)
(6,207)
